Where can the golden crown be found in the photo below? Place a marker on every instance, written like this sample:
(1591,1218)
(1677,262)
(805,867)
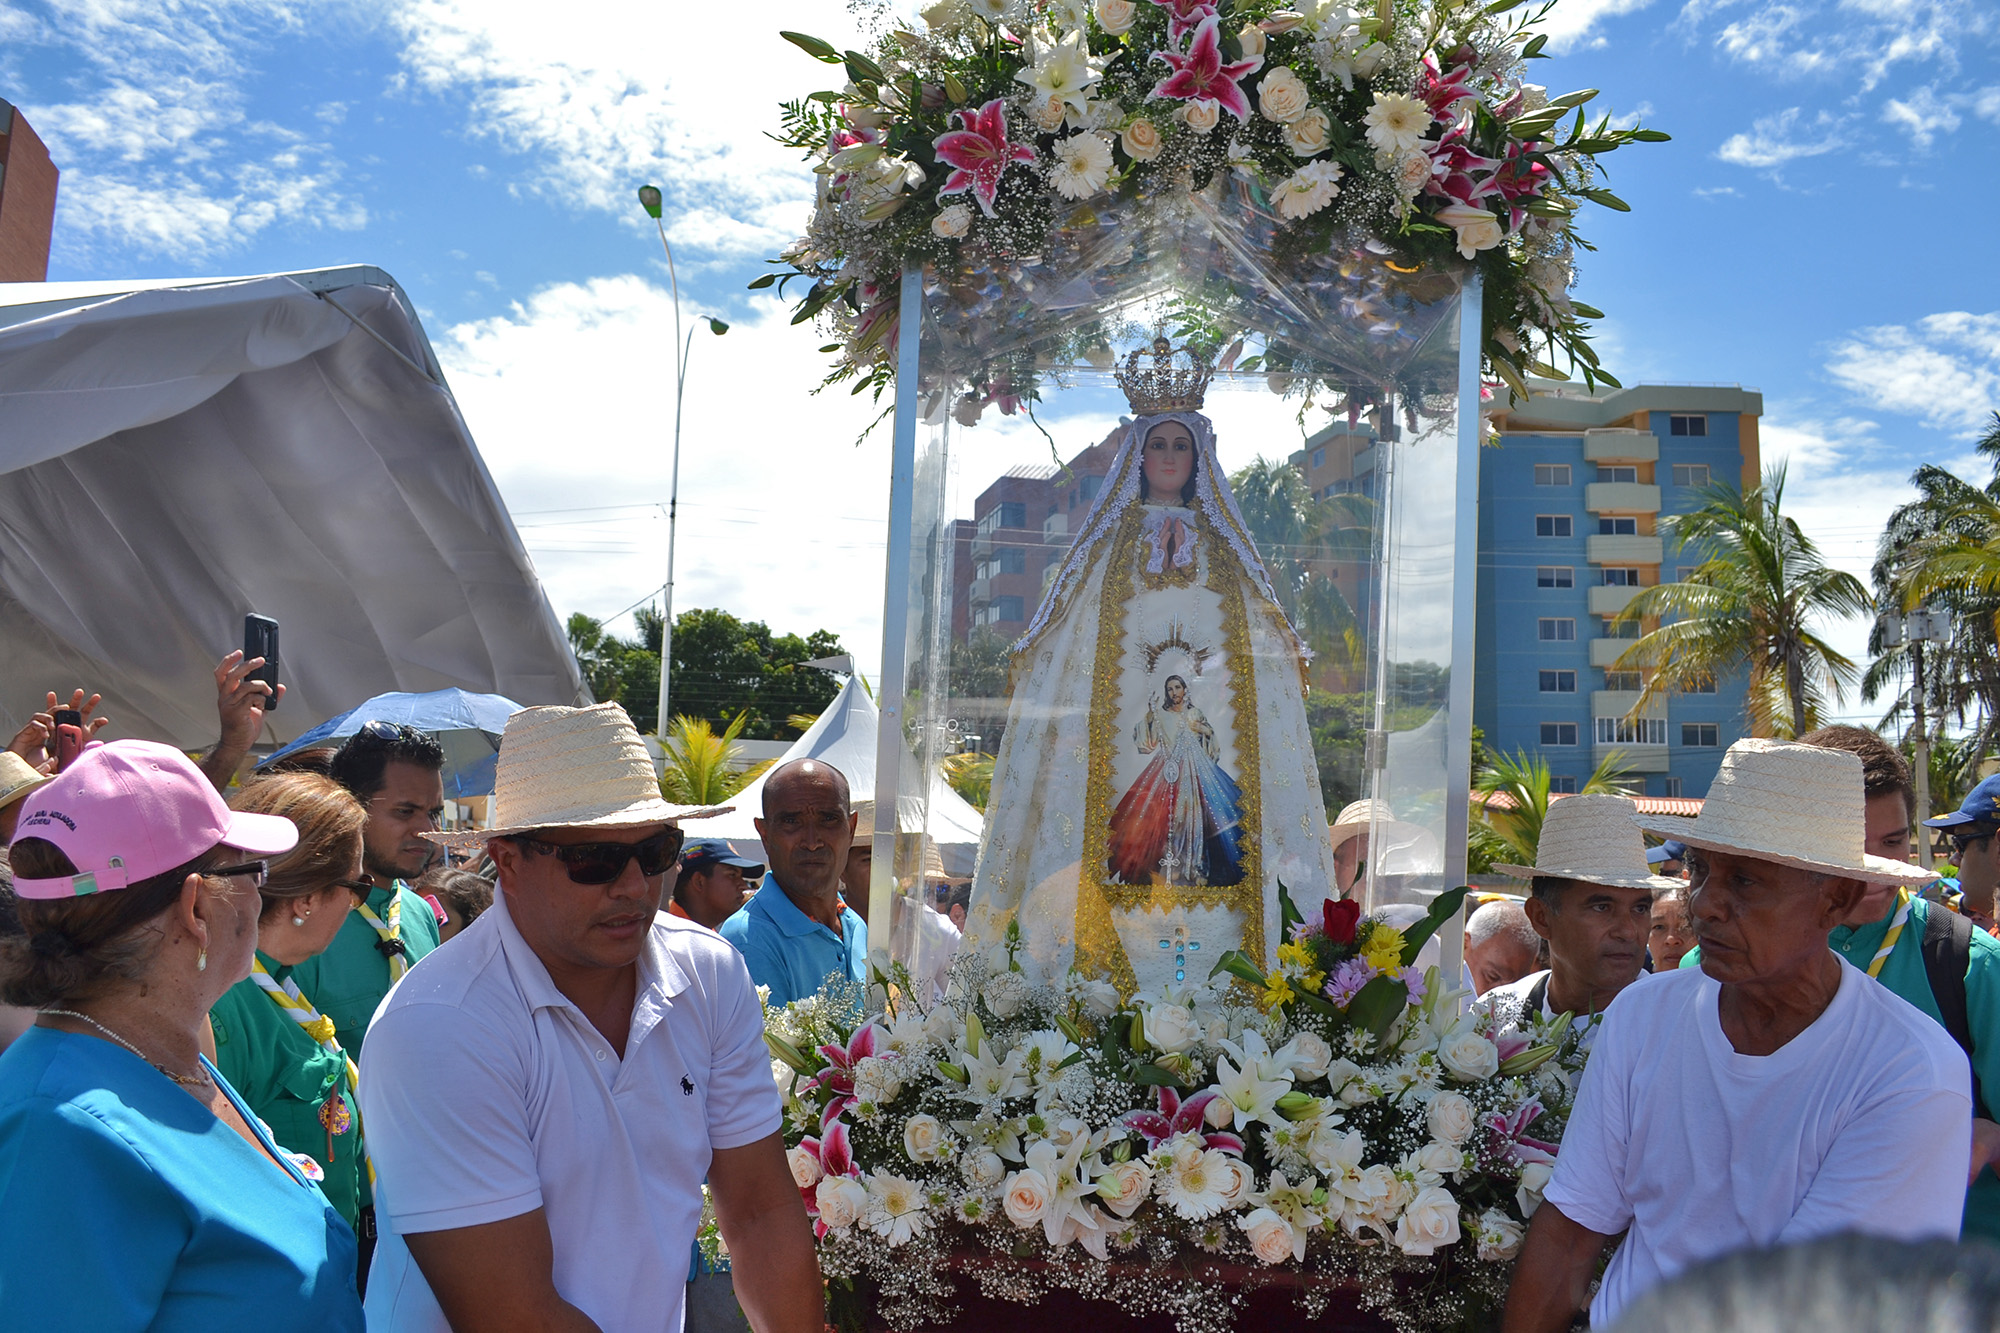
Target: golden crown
(1165,386)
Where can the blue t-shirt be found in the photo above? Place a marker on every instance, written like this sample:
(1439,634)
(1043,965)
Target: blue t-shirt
(126,1204)
(789,951)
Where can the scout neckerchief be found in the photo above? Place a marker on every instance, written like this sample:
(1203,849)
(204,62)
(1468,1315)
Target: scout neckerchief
(1895,933)
(390,934)
(334,1112)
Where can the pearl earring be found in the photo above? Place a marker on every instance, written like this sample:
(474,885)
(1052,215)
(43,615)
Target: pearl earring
(201,960)
(298,920)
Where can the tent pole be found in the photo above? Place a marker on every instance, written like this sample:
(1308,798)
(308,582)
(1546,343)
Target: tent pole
(896,593)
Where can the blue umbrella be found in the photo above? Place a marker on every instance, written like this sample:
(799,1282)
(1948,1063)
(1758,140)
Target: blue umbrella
(467,725)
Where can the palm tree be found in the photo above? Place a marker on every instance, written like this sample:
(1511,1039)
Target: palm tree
(1297,537)
(970,774)
(1752,603)
(1510,829)
(699,769)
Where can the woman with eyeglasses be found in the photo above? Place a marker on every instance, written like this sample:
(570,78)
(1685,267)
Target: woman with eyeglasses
(138,1190)
(273,1046)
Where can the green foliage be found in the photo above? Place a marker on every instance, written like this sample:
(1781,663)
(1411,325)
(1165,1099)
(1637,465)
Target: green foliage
(1339,724)
(1513,834)
(978,666)
(725,670)
(699,762)
(971,776)
(1752,604)
(1298,538)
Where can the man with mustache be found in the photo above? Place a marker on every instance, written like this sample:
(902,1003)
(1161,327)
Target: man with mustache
(795,932)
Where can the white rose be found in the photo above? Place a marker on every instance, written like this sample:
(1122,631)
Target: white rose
(982,1169)
(1125,1186)
(1006,993)
(924,1138)
(1049,115)
(1442,1159)
(1308,1056)
(1115,16)
(805,1168)
(1534,1179)
(1251,39)
(1470,1057)
(1237,1183)
(1026,1197)
(1499,1236)
(1219,1113)
(1369,59)
(1170,1028)
(1377,1192)
(1201,116)
(953,222)
(875,1080)
(1451,1118)
(1477,229)
(1283,96)
(1430,1221)
(1272,1239)
(1412,172)
(1308,135)
(841,1202)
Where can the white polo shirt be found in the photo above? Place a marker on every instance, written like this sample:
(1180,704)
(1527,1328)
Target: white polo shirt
(486,1094)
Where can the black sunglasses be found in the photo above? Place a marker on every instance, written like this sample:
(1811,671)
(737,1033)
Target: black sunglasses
(603,862)
(1964,840)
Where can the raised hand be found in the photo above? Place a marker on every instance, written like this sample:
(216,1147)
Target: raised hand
(239,705)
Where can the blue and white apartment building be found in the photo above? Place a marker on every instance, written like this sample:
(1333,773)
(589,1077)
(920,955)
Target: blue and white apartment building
(1570,500)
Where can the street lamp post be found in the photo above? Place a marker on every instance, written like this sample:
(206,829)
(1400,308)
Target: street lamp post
(650,200)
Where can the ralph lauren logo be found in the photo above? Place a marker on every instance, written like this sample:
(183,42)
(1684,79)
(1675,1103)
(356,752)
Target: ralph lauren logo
(687,1087)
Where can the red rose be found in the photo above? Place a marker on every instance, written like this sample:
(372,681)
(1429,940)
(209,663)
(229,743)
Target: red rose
(1341,916)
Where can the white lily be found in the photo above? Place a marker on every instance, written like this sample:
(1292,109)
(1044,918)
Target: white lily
(989,1080)
(1063,69)
(1250,1096)
(1251,1051)
(1070,1188)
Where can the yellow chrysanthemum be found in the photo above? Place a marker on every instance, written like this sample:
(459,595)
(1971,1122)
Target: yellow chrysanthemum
(1384,950)
(1296,954)
(1277,991)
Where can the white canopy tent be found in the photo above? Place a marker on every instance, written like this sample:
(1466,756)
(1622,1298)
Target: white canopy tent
(844,737)
(176,454)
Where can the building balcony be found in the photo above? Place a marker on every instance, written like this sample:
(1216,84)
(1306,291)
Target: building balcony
(1621,497)
(1620,445)
(1612,549)
(1606,652)
(1364,462)
(1055,529)
(982,592)
(1633,758)
(1610,601)
(982,545)
(1619,703)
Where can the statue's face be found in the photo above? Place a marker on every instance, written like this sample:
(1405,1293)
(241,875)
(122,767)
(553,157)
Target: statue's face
(1169,460)
(1176,690)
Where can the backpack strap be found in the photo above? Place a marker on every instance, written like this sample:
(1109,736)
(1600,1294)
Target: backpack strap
(1947,950)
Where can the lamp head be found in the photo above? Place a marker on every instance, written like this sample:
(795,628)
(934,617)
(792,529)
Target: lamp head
(717,327)
(649,199)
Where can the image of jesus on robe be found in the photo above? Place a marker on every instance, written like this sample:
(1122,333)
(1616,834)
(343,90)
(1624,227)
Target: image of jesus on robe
(1180,820)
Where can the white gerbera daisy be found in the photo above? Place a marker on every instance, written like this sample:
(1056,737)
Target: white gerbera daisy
(1196,1183)
(1082,165)
(896,1210)
(1397,123)
(1307,190)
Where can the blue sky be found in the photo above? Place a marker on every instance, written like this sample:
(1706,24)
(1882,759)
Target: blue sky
(1820,228)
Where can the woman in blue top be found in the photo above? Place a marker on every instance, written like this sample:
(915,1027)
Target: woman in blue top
(137,1190)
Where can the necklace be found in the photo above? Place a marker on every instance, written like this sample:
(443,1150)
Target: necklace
(185,1080)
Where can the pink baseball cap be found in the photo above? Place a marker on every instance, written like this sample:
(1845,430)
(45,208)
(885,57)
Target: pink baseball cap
(130,810)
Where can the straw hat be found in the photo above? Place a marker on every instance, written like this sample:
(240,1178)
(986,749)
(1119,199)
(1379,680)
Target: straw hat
(934,872)
(573,768)
(1797,805)
(1355,818)
(18,778)
(1592,839)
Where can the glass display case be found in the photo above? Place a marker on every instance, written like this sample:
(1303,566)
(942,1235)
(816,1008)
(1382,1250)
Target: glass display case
(1179,589)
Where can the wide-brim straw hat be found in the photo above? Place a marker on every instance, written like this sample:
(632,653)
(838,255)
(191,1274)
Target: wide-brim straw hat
(574,768)
(1592,839)
(18,778)
(1356,817)
(934,871)
(1796,805)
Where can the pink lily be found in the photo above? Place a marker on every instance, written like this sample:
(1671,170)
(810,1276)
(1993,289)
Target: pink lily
(1519,176)
(1442,92)
(838,1076)
(1510,1135)
(1459,173)
(1184,15)
(835,1156)
(980,152)
(1179,1117)
(1201,76)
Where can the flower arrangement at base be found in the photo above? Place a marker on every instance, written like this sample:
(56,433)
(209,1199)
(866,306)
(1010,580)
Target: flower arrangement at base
(1336,1122)
(994,136)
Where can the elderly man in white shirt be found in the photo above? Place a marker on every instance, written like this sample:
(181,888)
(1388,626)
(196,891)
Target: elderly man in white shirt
(1772,1096)
(543,1097)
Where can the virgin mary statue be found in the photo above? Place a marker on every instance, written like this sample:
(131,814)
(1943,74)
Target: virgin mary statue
(1156,781)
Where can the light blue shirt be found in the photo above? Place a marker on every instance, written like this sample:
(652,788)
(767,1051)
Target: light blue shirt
(789,951)
(125,1204)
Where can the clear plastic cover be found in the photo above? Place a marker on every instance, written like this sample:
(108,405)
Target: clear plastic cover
(1181,657)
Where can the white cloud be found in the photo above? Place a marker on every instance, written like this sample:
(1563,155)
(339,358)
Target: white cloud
(1943,370)
(1574,24)
(1924,115)
(1776,140)
(612,96)
(1862,40)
